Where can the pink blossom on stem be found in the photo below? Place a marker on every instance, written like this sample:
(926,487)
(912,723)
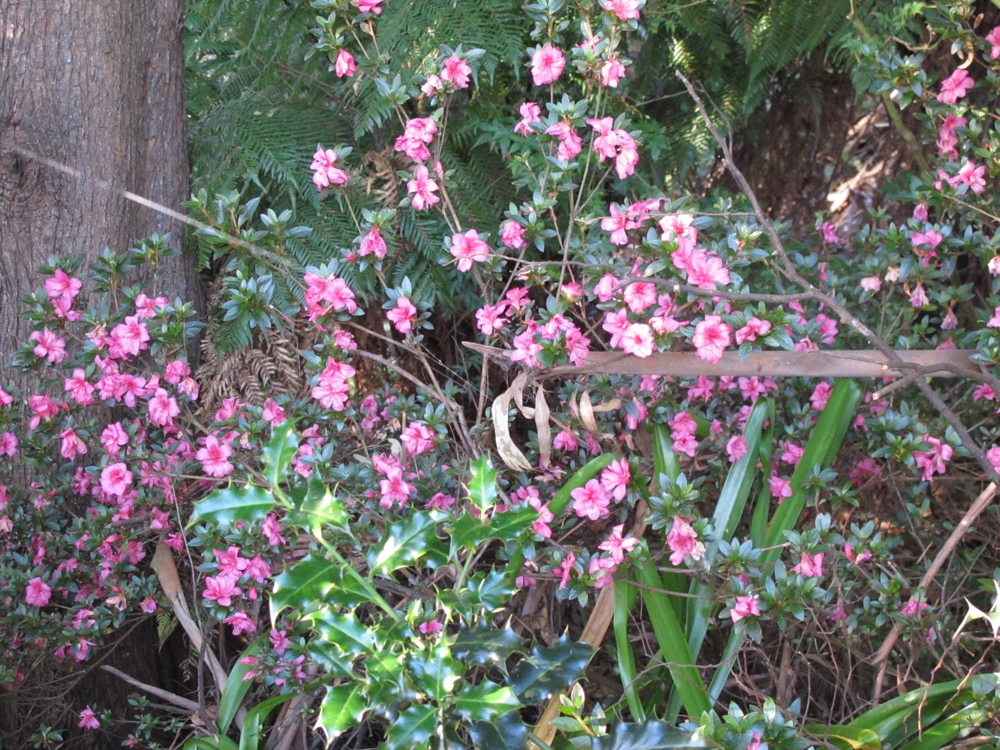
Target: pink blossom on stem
(403,315)
(810,567)
(615,479)
(617,545)
(468,248)
(221,589)
(591,501)
(456,71)
(395,490)
(88,720)
(344,65)
(829,232)
(369,6)
(623,10)
(417,438)
(736,448)
(752,329)
(422,188)
(37,593)
(49,346)
(955,87)
(214,457)
(638,340)
(372,244)
(418,133)
(611,72)
(116,479)
(325,173)
(994,39)
(913,608)
(820,395)
(547,64)
(241,623)
(530,114)
(933,461)
(683,542)
(71,445)
(780,487)
(512,235)
(746,606)
(489,318)
(711,337)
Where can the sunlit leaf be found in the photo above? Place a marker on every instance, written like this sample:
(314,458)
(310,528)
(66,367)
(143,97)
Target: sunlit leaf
(485,701)
(548,670)
(231,504)
(279,452)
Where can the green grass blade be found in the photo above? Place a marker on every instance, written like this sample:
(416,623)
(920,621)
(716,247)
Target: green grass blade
(624,599)
(762,510)
(235,691)
(673,643)
(824,442)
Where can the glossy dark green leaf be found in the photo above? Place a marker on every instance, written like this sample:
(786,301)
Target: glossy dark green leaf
(231,504)
(312,581)
(485,645)
(318,510)
(486,701)
(253,725)
(490,591)
(345,631)
(550,670)
(234,692)
(404,543)
(412,729)
(434,671)
(342,708)
(483,484)
(650,735)
(506,733)
(279,452)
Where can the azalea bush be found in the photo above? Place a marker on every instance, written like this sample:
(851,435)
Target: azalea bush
(373,547)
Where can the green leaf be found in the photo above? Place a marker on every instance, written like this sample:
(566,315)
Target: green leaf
(485,645)
(253,725)
(412,729)
(506,733)
(673,643)
(310,582)
(226,506)
(468,532)
(403,543)
(546,671)
(342,708)
(434,671)
(345,631)
(490,591)
(319,508)
(486,701)
(483,484)
(235,691)
(279,452)
(650,735)
(624,600)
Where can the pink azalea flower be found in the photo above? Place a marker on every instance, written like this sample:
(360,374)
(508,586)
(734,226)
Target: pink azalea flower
(623,10)
(820,395)
(430,627)
(241,623)
(489,318)
(88,720)
(570,143)
(746,606)
(711,337)
(395,490)
(994,39)
(683,542)
(933,461)
(617,545)
(116,479)
(810,567)
(591,501)
(468,248)
(638,340)
(214,458)
(369,6)
(754,327)
(736,448)
(829,232)
(955,87)
(372,244)
(344,65)
(37,593)
(705,270)
(221,589)
(755,742)
(61,286)
(530,114)
(456,71)
(403,315)
(512,235)
(8,444)
(913,608)
(422,187)
(418,133)
(324,171)
(973,176)
(79,389)
(417,438)
(547,65)
(871,283)
(71,444)
(163,408)
(615,479)
(611,72)
(49,346)
(780,487)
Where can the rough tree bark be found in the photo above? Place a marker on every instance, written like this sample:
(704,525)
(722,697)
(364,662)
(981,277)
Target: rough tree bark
(97,85)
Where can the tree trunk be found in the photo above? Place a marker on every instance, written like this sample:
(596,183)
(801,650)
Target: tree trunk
(98,86)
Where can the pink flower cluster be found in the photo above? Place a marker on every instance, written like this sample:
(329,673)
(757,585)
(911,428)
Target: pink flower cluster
(417,135)
(683,542)
(325,173)
(332,389)
(422,188)
(62,290)
(614,143)
(468,248)
(325,295)
(547,64)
